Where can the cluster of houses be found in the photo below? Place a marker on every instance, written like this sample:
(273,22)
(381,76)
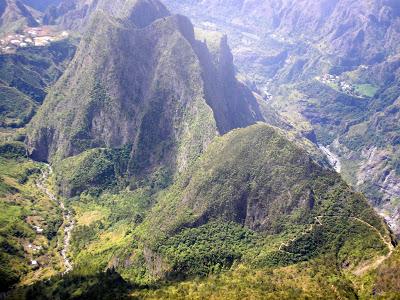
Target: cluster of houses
(36,36)
(34,248)
(342,86)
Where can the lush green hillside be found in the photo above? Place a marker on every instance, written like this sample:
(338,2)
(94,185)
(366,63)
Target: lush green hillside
(329,70)
(253,208)
(172,187)
(29,221)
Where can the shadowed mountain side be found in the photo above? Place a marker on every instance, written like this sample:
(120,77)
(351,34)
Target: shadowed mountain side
(257,178)
(155,89)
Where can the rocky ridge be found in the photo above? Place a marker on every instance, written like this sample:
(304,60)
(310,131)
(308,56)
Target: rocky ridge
(169,95)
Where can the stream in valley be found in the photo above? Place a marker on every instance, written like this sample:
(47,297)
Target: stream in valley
(68,221)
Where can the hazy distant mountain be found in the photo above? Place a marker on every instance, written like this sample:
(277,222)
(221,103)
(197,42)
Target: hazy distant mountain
(41,5)
(290,48)
(14,15)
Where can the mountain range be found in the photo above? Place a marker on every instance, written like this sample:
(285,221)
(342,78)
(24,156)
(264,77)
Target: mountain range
(146,157)
(330,69)
(15,15)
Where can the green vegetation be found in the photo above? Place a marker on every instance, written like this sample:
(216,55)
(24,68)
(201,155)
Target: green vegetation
(89,170)
(316,279)
(16,108)
(12,149)
(173,213)
(221,225)
(22,207)
(206,249)
(239,167)
(387,277)
(104,285)
(367,90)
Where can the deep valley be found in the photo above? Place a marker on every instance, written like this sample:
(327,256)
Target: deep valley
(199,149)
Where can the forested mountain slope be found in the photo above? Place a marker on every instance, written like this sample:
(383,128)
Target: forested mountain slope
(149,171)
(145,84)
(330,67)
(253,202)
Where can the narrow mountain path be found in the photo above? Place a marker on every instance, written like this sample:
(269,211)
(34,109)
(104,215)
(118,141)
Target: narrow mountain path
(388,243)
(364,268)
(68,221)
(286,244)
(379,260)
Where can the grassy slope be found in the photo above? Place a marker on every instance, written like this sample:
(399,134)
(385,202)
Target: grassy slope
(22,206)
(387,277)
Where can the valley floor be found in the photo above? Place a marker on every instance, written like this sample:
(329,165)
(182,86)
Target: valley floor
(68,220)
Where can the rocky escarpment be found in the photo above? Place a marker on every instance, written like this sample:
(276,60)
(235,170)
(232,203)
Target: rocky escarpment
(154,89)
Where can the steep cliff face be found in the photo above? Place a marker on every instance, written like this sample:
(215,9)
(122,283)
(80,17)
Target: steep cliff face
(233,104)
(153,88)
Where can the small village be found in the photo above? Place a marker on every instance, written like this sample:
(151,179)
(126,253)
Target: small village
(339,84)
(31,248)
(30,37)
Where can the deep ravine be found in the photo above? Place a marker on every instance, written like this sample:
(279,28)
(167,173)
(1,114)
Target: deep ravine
(68,221)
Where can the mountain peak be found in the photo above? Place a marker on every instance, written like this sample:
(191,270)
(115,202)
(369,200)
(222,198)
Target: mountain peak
(75,14)
(144,12)
(142,82)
